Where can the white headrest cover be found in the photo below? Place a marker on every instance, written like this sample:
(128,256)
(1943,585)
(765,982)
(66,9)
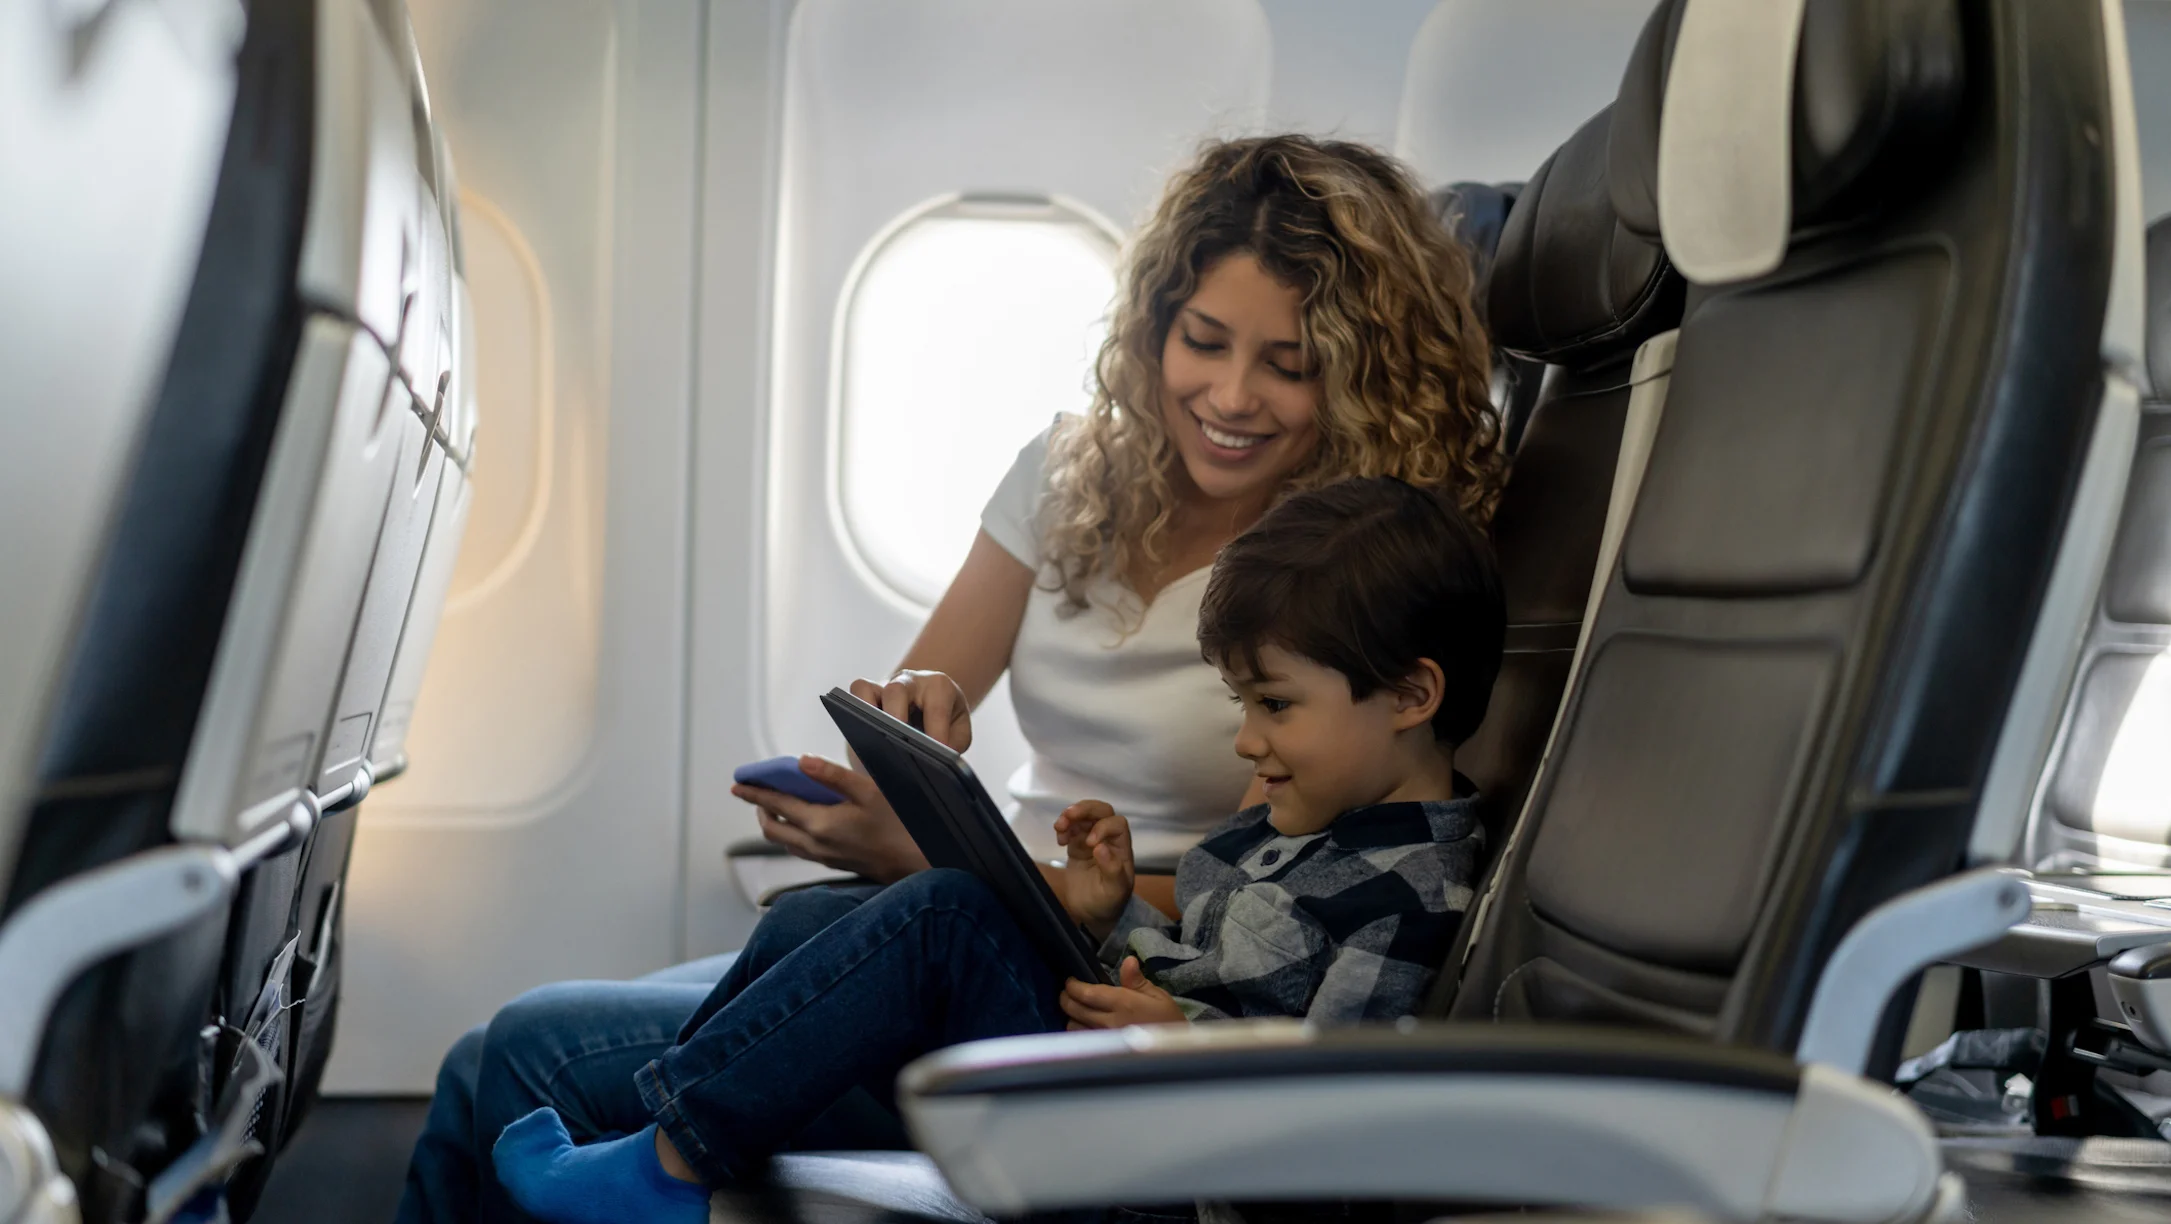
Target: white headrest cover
(1725,142)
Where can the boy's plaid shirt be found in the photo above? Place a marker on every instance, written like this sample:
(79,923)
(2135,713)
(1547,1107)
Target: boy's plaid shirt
(1346,924)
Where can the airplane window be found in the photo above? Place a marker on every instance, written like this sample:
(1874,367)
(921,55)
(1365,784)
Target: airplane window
(2148,47)
(967,328)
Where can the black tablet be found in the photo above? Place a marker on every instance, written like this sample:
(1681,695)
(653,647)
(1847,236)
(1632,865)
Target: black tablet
(956,824)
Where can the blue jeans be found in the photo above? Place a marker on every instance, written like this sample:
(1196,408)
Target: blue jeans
(576,1045)
(931,961)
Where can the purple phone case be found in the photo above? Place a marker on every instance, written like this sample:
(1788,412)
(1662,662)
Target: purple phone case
(783,774)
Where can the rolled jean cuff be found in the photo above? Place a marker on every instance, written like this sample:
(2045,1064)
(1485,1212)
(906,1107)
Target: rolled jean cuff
(715,1168)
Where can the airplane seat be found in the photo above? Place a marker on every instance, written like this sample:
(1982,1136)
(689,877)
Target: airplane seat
(1899,224)
(2066,999)
(1570,290)
(149,944)
(2105,801)
(109,936)
(1784,633)
(317,634)
(398,613)
(1476,213)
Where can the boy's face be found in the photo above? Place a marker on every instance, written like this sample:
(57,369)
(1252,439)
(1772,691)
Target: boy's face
(1318,752)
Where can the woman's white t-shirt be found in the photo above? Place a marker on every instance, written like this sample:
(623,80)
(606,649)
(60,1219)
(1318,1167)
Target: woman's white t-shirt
(1135,719)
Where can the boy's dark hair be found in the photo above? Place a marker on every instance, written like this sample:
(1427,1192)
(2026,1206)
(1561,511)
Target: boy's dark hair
(1365,576)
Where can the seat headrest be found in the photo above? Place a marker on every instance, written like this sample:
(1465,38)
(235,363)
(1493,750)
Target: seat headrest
(1474,214)
(1877,85)
(1570,285)
(2158,280)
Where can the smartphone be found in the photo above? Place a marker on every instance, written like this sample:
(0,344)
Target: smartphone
(783,774)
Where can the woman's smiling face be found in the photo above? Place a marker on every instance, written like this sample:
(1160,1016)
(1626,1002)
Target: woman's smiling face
(1236,395)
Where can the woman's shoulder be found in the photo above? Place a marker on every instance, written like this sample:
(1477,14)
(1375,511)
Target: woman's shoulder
(1012,514)
(1033,456)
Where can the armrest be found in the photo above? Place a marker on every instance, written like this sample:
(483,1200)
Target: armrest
(70,926)
(2070,927)
(1537,1115)
(765,871)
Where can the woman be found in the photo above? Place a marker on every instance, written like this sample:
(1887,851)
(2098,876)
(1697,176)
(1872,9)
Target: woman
(1290,315)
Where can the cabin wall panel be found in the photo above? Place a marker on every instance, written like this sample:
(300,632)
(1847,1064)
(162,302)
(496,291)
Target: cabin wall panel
(537,834)
(1494,86)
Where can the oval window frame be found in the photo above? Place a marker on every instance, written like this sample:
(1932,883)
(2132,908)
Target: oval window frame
(988,206)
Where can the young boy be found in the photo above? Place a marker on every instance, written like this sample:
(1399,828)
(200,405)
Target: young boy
(1360,627)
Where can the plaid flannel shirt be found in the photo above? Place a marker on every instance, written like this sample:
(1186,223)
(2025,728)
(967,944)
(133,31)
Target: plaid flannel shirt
(1346,924)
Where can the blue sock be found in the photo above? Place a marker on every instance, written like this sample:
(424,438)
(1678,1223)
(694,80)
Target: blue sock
(616,1181)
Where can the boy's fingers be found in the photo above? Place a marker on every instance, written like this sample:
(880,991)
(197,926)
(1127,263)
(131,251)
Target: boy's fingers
(1080,1013)
(1091,994)
(1134,977)
(1082,820)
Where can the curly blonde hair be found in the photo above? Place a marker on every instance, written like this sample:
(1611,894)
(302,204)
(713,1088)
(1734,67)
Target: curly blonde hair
(1387,320)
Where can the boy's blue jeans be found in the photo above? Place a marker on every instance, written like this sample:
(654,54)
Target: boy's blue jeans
(576,1046)
(929,962)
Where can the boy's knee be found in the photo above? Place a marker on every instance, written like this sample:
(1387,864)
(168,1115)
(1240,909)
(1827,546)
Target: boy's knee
(945,886)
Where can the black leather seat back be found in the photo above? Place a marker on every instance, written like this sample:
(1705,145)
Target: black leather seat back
(1477,213)
(317,686)
(2106,800)
(117,1073)
(1569,287)
(243,620)
(1800,663)
(428,485)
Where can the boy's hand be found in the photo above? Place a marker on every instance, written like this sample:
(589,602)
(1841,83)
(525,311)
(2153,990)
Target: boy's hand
(1099,873)
(1137,1001)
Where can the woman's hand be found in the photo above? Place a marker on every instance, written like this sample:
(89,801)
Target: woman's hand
(1136,1001)
(1098,877)
(944,712)
(860,835)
